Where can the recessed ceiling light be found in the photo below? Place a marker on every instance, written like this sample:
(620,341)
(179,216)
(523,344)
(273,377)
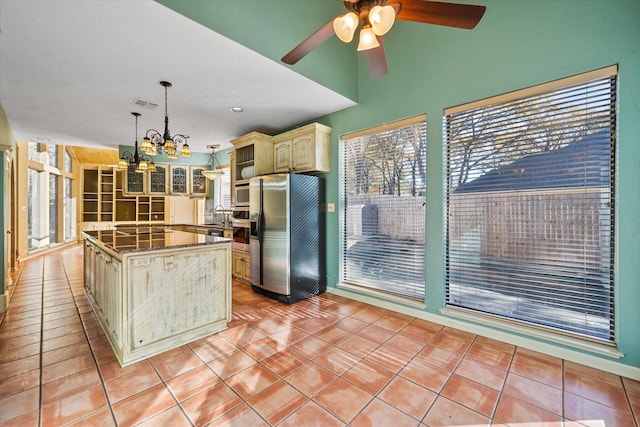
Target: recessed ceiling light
(237,109)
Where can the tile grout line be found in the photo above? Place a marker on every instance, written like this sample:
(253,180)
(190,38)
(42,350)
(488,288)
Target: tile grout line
(84,331)
(41,342)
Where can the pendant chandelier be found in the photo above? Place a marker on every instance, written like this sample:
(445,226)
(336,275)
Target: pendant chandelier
(213,173)
(136,159)
(153,143)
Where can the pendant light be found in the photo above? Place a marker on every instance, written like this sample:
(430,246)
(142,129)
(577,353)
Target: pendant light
(154,143)
(213,173)
(136,159)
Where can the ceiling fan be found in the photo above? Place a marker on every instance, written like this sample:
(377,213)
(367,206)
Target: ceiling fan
(377,17)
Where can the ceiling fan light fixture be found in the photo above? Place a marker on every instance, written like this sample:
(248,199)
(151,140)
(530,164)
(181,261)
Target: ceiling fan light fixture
(345,26)
(368,39)
(382,19)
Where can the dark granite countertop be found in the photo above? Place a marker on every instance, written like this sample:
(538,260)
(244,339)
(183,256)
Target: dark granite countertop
(143,238)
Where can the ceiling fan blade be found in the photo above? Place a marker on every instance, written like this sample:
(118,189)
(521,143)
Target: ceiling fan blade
(377,61)
(456,15)
(310,43)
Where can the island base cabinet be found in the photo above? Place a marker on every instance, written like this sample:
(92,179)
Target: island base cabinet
(151,302)
(163,305)
(103,288)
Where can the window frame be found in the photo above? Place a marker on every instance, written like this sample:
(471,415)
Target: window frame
(551,90)
(411,263)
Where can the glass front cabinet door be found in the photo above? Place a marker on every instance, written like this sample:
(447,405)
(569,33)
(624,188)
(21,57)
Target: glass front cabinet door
(198,181)
(178,179)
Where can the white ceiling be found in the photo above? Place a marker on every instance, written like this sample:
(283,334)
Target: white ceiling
(70,71)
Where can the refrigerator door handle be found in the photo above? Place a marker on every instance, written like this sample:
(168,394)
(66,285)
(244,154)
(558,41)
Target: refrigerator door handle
(259,231)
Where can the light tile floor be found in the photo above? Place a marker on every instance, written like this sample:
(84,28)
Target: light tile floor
(326,361)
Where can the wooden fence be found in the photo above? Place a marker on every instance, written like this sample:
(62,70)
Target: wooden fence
(399,218)
(559,227)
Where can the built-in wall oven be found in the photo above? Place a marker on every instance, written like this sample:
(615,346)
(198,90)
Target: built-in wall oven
(241,235)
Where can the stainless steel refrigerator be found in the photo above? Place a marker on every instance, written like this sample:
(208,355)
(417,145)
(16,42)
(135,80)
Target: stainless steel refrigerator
(286,241)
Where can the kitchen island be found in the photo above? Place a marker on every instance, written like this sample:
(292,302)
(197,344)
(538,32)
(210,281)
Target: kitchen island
(154,288)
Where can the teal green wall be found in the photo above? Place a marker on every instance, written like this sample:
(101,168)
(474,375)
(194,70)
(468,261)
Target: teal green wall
(195,159)
(222,157)
(517,44)
(274,27)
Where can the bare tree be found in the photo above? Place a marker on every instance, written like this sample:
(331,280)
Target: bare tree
(488,138)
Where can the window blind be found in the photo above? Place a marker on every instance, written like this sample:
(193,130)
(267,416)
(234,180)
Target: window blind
(530,206)
(222,189)
(383,177)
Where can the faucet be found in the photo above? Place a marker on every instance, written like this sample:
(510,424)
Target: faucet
(225,216)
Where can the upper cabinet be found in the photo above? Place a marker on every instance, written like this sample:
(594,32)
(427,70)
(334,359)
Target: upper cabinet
(197,181)
(178,179)
(305,149)
(253,156)
(158,180)
(134,181)
(174,179)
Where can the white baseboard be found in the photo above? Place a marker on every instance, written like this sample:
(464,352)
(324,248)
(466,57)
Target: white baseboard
(3,302)
(603,363)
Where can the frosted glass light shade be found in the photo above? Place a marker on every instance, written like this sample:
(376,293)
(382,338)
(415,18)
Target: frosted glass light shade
(345,26)
(382,19)
(368,38)
(211,174)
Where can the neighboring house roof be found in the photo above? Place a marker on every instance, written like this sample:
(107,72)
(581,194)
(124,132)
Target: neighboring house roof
(579,164)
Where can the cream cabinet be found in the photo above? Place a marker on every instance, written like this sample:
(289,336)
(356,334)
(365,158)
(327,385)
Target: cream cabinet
(150,301)
(253,156)
(105,202)
(282,156)
(305,149)
(103,287)
(241,266)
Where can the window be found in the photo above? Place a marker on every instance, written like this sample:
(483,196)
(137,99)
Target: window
(69,210)
(53,208)
(530,206)
(37,212)
(53,155)
(51,215)
(33,151)
(382,229)
(222,189)
(67,161)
